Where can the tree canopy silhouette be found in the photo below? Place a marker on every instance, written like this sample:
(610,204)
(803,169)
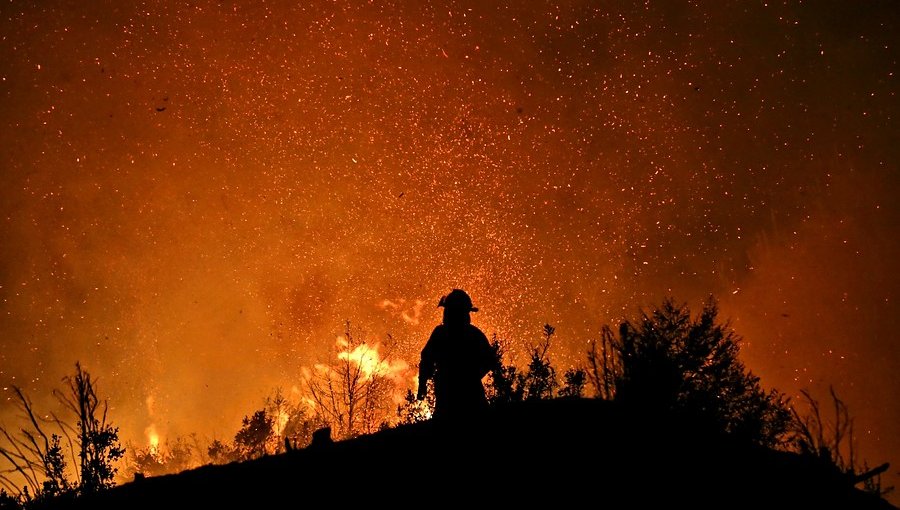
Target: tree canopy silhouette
(667,360)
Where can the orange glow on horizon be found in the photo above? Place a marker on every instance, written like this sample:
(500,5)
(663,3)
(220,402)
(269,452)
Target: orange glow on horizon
(194,208)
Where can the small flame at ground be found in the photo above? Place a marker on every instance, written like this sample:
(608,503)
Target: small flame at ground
(151,432)
(152,439)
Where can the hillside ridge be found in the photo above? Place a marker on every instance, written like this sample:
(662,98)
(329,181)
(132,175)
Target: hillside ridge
(556,451)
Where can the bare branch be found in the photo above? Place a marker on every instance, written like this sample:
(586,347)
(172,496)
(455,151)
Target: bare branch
(31,481)
(872,473)
(24,461)
(8,483)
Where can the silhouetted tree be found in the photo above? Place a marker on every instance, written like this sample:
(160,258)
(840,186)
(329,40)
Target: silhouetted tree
(98,440)
(291,423)
(502,378)
(540,379)
(40,458)
(56,483)
(353,394)
(667,360)
(505,384)
(278,426)
(574,382)
(35,455)
(221,453)
(250,442)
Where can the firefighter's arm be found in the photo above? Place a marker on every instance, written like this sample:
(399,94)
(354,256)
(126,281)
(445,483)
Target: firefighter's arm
(424,375)
(487,357)
(423,387)
(426,368)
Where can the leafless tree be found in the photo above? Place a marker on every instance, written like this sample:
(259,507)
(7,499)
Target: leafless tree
(352,393)
(604,366)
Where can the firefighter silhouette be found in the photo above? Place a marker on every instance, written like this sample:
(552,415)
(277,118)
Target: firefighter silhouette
(457,356)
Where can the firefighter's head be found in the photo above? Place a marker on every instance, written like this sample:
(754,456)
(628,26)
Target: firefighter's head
(457,306)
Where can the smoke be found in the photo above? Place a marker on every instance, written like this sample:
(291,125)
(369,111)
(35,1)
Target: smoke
(197,197)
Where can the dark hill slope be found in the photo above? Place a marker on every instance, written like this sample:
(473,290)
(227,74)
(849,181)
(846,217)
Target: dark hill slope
(561,453)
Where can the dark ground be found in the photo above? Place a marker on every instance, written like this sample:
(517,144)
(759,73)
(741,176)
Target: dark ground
(559,453)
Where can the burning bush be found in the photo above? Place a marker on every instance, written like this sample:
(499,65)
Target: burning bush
(356,393)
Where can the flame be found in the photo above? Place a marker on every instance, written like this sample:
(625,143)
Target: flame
(280,422)
(152,439)
(150,431)
(370,362)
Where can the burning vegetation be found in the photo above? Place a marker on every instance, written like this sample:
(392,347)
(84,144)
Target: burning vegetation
(666,361)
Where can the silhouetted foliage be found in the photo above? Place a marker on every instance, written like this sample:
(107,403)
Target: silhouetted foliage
(56,483)
(540,379)
(221,453)
(832,443)
(35,455)
(98,440)
(504,383)
(605,365)
(8,501)
(278,426)
(256,432)
(668,361)
(170,457)
(575,380)
(39,457)
(292,424)
(507,384)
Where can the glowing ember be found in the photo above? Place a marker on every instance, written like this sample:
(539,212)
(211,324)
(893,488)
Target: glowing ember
(195,195)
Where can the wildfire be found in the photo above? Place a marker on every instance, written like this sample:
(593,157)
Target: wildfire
(152,439)
(370,362)
(360,390)
(280,422)
(151,432)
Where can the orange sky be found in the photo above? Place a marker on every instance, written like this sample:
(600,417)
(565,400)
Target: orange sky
(196,197)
